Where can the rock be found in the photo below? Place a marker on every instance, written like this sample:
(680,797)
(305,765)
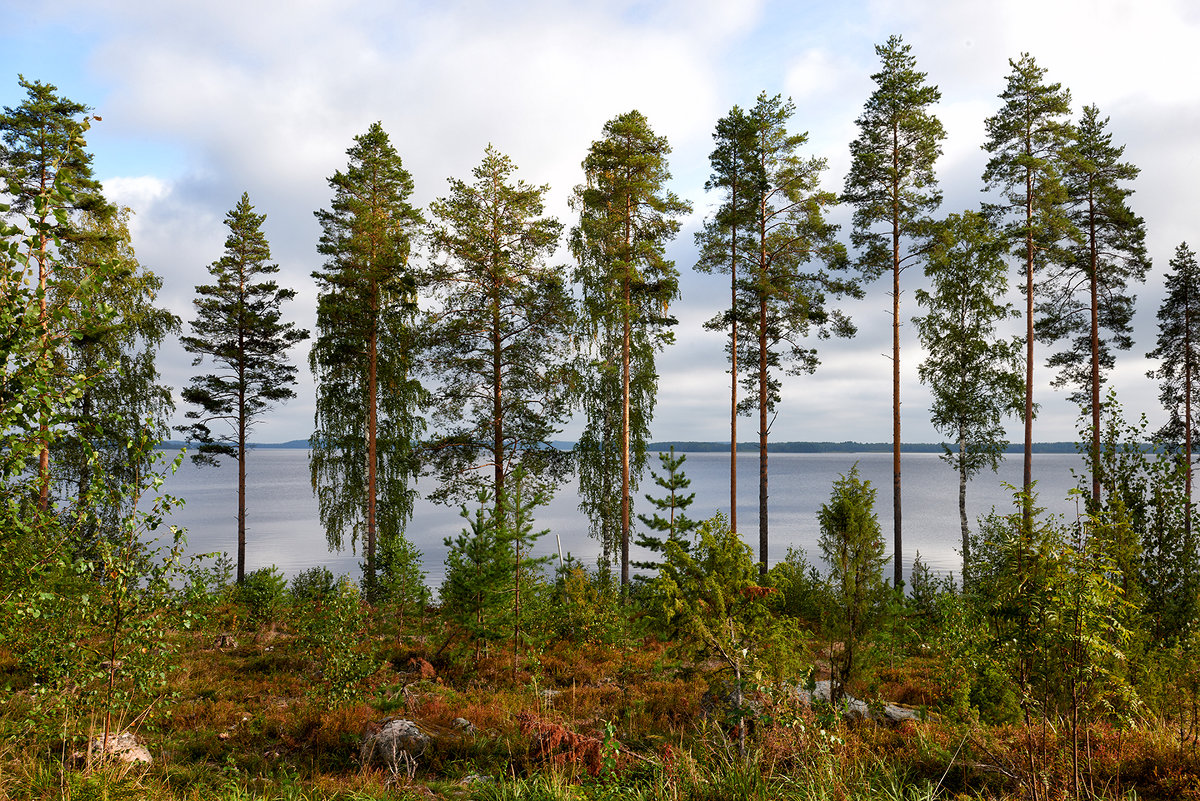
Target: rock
(397,744)
(463,725)
(124,747)
(856,709)
(475,778)
(896,714)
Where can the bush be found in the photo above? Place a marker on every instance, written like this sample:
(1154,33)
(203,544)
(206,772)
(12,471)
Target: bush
(208,584)
(803,594)
(333,633)
(314,584)
(262,593)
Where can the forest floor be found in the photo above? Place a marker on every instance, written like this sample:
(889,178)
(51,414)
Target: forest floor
(250,716)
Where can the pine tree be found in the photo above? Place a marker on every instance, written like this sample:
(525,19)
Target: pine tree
(727,241)
(363,453)
(626,217)
(1090,289)
(1026,139)
(43,149)
(238,328)
(489,563)
(1178,351)
(852,545)
(781,301)
(676,525)
(499,337)
(892,184)
(971,371)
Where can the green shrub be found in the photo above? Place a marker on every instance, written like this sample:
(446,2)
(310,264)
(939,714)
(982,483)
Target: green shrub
(314,584)
(262,594)
(332,628)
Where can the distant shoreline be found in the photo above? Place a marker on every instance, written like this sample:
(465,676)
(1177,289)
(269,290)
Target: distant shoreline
(748,447)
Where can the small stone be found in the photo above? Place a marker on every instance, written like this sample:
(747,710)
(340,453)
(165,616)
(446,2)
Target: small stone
(463,725)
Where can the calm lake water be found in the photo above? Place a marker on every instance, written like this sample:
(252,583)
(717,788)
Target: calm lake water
(283,528)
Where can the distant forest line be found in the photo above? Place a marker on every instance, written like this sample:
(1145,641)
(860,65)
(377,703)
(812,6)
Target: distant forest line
(716,447)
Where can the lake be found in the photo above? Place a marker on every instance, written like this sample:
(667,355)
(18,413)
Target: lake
(283,528)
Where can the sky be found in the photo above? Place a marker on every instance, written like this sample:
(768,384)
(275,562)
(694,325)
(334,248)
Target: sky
(200,103)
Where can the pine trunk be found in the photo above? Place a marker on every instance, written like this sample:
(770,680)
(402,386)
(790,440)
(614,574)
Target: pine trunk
(372,427)
(898,562)
(625,348)
(1027,472)
(1093,259)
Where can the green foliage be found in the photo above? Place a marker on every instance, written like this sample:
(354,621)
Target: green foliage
(922,608)
(80,255)
(972,372)
(676,525)
(93,631)
(263,593)
(1059,609)
(477,572)
(1013,572)
(498,339)
(783,300)
(1090,304)
(238,328)
(1178,351)
(208,583)
(124,399)
(400,584)
(363,455)
(709,593)
(1142,515)
(586,606)
(332,628)
(626,217)
(804,594)
(852,547)
(314,584)
(489,565)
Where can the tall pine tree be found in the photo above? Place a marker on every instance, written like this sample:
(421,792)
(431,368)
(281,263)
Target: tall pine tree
(499,336)
(1178,373)
(1090,288)
(783,299)
(893,188)
(726,242)
(238,327)
(626,217)
(363,455)
(1026,140)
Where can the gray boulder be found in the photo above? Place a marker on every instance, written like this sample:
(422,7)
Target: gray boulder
(124,747)
(396,743)
(856,709)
